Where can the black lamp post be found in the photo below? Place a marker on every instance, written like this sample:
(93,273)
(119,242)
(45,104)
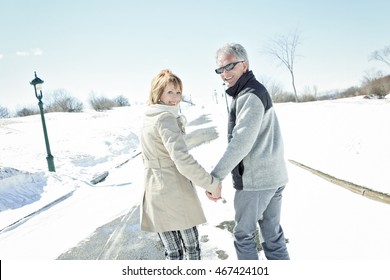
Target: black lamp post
(224,92)
(37,83)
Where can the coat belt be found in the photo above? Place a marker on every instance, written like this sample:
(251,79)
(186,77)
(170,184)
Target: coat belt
(158,163)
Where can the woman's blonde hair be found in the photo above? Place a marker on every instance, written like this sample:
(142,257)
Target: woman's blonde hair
(160,82)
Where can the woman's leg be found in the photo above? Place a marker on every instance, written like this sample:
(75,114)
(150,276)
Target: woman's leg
(172,245)
(190,238)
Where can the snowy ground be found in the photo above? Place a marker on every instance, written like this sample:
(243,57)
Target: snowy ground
(347,138)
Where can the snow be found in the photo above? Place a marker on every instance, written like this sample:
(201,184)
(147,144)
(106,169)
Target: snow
(347,138)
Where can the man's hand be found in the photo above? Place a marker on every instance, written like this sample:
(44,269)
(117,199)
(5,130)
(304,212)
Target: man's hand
(216,195)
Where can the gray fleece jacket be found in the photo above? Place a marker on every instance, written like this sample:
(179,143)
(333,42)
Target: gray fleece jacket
(255,152)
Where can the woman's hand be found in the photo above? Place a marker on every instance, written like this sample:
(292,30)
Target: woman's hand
(216,195)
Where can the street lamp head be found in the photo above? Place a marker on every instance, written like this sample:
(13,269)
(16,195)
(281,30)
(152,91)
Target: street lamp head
(37,83)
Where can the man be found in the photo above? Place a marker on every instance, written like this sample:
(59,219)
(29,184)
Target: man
(254,156)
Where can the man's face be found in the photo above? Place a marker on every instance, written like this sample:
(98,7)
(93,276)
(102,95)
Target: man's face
(230,77)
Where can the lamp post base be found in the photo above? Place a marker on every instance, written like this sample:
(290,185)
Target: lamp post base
(50,163)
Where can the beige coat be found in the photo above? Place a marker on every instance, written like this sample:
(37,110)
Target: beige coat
(170,200)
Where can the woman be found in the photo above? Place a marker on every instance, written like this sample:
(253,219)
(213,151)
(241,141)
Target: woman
(171,206)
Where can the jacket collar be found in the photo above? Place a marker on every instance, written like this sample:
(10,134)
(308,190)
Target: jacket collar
(159,108)
(240,84)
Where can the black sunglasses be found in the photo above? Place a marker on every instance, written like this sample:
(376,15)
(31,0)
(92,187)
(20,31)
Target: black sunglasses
(228,67)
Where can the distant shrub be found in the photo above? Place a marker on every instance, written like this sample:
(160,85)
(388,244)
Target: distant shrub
(378,87)
(275,90)
(100,103)
(370,76)
(27,112)
(374,85)
(277,93)
(61,101)
(283,97)
(121,101)
(4,113)
(309,94)
(350,92)
(308,97)
(371,86)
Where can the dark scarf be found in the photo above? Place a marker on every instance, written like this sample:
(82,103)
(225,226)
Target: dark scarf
(240,84)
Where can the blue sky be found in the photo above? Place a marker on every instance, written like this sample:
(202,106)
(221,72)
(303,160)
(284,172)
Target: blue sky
(115,47)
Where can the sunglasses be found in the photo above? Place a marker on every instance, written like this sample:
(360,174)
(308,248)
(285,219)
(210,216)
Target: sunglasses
(228,67)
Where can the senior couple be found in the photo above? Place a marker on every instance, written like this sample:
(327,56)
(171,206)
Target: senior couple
(254,156)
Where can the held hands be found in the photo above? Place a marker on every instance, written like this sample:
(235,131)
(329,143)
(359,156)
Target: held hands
(216,195)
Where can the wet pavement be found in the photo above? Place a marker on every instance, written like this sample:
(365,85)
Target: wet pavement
(121,239)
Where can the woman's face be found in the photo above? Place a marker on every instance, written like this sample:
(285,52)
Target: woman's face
(171,95)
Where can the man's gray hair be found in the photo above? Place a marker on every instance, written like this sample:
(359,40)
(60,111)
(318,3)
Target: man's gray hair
(234,49)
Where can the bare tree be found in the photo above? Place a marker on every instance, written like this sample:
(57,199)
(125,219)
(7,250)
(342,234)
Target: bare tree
(382,55)
(283,48)
(4,113)
(60,100)
(121,101)
(371,75)
(100,103)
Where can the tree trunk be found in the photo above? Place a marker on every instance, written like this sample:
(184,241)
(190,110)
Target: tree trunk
(293,84)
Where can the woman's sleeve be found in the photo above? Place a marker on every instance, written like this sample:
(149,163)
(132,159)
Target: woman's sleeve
(174,142)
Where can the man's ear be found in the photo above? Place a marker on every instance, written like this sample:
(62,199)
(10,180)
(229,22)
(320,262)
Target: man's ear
(246,66)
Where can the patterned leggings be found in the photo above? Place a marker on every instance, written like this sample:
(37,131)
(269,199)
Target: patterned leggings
(175,241)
